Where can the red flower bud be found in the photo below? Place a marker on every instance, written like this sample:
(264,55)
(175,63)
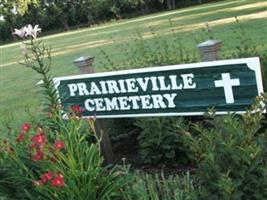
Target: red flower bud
(20,137)
(25,127)
(40,138)
(59,144)
(47,177)
(78,110)
(38,156)
(58,181)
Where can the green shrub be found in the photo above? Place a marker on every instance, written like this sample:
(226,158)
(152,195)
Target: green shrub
(160,141)
(231,153)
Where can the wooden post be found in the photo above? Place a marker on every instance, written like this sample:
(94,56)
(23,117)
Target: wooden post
(85,66)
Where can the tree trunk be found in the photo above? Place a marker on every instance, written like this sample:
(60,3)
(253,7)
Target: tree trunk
(13,36)
(10,21)
(65,24)
(118,17)
(169,4)
(173,4)
(90,19)
(144,9)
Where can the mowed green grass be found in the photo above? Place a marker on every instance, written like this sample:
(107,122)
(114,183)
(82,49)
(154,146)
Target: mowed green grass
(18,88)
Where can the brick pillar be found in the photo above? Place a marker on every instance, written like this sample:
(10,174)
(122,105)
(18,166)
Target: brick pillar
(85,64)
(210,50)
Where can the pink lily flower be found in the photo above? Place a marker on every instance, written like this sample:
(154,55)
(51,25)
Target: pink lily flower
(20,32)
(32,31)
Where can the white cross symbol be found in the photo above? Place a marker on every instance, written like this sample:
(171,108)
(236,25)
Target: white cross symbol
(227,83)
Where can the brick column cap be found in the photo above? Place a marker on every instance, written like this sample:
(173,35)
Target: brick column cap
(209,43)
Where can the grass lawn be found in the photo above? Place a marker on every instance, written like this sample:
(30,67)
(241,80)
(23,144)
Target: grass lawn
(18,88)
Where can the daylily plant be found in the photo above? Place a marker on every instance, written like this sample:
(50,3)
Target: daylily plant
(60,159)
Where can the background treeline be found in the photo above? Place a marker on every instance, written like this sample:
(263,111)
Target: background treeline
(59,15)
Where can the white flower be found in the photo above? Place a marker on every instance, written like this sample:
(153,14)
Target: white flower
(20,32)
(27,31)
(32,31)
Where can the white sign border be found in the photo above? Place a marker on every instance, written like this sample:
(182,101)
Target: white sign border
(253,63)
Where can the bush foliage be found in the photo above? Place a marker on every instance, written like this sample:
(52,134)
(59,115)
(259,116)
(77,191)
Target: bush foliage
(231,155)
(160,141)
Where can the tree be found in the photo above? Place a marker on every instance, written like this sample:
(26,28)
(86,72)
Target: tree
(93,11)
(170,4)
(16,6)
(13,10)
(59,10)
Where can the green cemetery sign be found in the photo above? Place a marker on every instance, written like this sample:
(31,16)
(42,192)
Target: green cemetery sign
(188,89)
